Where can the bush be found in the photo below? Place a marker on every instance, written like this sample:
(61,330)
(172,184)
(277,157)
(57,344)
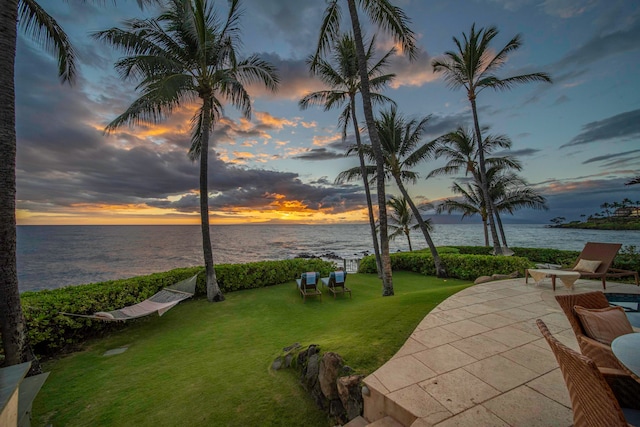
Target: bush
(51,332)
(466,267)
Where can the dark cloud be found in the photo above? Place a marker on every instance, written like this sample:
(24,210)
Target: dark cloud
(625,155)
(319,154)
(621,126)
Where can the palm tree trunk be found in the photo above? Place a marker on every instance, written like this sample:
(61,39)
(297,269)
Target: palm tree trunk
(13,328)
(387,275)
(367,190)
(501,228)
(486,231)
(409,240)
(214,293)
(483,178)
(440,270)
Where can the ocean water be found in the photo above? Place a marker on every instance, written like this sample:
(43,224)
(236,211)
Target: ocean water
(54,256)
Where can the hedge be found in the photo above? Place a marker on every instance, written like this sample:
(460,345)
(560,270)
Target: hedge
(51,332)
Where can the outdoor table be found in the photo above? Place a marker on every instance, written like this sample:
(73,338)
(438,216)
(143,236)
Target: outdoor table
(627,349)
(568,277)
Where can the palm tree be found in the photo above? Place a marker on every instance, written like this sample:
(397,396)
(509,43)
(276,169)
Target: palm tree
(472,67)
(393,20)
(402,220)
(509,193)
(31,18)
(344,80)
(184,54)
(402,150)
(459,147)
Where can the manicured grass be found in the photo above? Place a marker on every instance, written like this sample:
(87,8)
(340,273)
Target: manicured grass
(209,363)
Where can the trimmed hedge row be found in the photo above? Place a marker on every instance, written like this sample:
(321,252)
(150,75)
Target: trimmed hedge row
(51,332)
(466,267)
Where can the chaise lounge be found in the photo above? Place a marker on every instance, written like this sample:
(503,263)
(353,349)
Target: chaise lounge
(335,283)
(308,285)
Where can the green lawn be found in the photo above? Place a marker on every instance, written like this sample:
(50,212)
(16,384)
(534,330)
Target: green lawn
(209,364)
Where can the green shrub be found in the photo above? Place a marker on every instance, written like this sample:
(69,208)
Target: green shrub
(51,332)
(466,267)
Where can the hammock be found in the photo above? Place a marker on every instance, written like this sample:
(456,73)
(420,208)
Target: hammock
(163,301)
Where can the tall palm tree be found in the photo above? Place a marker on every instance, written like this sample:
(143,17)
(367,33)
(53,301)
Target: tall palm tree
(402,147)
(344,80)
(462,152)
(37,23)
(184,54)
(393,20)
(402,220)
(472,66)
(509,193)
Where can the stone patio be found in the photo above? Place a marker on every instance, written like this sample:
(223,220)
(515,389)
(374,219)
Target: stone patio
(478,359)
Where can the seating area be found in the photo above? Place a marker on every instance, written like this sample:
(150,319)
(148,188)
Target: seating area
(594,262)
(336,283)
(308,285)
(479,358)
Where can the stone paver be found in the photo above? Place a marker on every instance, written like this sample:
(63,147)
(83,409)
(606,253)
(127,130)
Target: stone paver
(478,359)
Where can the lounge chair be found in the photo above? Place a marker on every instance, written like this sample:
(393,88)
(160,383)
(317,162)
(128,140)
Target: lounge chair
(335,282)
(308,285)
(604,253)
(592,400)
(624,386)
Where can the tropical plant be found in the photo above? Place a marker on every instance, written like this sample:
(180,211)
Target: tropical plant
(43,28)
(342,76)
(509,193)
(472,67)
(402,221)
(462,152)
(184,54)
(403,149)
(393,20)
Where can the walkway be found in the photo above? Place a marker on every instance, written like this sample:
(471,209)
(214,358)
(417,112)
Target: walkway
(478,359)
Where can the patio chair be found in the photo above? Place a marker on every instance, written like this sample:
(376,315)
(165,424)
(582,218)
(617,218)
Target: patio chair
(594,262)
(335,282)
(623,385)
(308,285)
(592,400)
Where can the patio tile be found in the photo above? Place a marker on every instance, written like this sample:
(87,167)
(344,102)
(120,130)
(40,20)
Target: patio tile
(465,328)
(458,390)
(503,303)
(553,386)
(410,346)
(500,372)
(420,403)
(402,372)
(478,416)
(431,321)
(478,309)
(510,336)
(541,309)
(469,299)
(529,326)
(454,315)
(539,359)
(480,346)
(558,319)
(374,382)
(444,358)
(435,336)
(493,320)
(526,407)
(517,314)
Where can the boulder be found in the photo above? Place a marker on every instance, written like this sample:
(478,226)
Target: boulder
(350,394)
(482,279)
(330,367)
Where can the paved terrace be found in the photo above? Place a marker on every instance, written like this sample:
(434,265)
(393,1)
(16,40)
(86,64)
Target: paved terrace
(478,359)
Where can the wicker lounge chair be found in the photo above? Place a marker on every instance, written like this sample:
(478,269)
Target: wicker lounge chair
(605,253)
(626,388)
(308,285)
(592,400)
(335,283)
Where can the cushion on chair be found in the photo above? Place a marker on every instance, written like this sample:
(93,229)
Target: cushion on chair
(604,324)
(587,266)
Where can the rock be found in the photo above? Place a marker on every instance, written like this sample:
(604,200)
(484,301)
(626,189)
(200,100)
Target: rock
(500,276)
(350,395)
(330,367)
(277,364)
(482,279)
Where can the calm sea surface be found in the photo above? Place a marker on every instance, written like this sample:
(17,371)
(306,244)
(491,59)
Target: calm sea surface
(54,256)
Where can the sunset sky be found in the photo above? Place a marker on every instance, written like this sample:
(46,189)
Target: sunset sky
(578,138)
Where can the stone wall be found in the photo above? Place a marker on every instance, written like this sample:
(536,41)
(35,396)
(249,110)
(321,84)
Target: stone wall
(332,384)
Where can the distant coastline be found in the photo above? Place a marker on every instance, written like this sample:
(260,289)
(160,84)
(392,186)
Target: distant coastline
(617,224)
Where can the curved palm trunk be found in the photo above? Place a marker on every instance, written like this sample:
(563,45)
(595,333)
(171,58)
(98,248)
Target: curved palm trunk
(485,229)
(501,228)
(214,293)
(483,178)
(406,232)
(13,327)
(440,270)
(367,190)
(387,275)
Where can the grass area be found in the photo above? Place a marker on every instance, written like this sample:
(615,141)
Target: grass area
(209,364)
